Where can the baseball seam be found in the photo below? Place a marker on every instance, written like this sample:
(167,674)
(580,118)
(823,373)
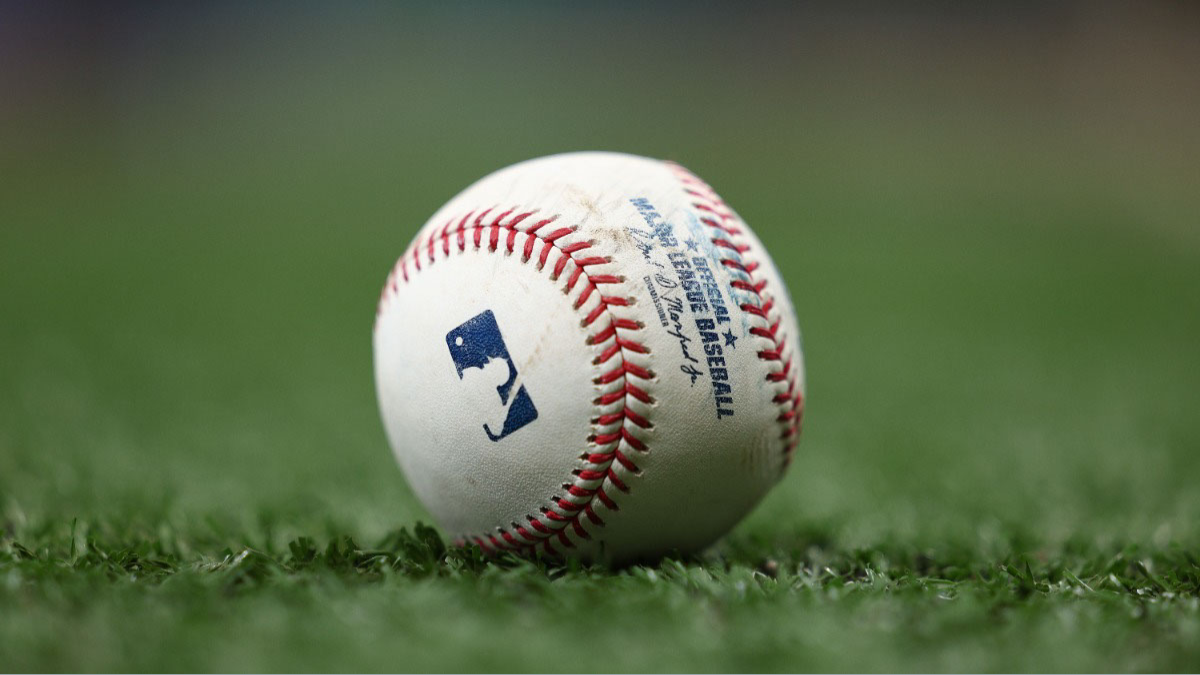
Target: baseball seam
(618,431)
(737,257)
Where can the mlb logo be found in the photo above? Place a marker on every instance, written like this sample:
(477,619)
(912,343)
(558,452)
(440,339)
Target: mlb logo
(484,366)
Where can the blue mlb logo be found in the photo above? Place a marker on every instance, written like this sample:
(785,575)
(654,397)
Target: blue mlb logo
(482,361)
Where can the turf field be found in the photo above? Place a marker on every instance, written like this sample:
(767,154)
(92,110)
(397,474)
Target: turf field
(990,227)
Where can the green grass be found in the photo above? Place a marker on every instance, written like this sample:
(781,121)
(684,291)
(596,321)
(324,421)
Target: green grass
(997,277)
(154,599)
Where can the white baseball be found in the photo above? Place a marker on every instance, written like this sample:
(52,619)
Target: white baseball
(589,354)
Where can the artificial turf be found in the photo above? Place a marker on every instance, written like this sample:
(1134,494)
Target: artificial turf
(999,290)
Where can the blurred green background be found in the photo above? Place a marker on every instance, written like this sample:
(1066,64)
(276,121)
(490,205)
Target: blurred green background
(989,221)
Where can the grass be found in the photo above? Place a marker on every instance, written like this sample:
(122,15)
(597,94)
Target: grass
(998,280)
(148,600)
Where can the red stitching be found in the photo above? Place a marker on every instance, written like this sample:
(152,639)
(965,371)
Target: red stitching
(614,438)
(630,390)
(749,287)
(725,243)
(717,215)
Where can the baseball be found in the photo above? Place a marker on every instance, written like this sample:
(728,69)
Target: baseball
(591,355)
